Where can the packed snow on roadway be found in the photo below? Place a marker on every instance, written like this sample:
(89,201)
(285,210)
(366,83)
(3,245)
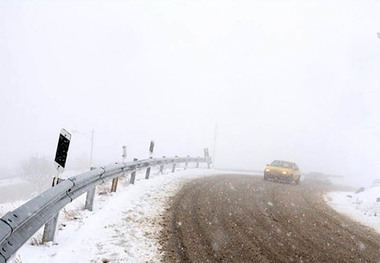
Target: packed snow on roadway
(124,226)
(362,205)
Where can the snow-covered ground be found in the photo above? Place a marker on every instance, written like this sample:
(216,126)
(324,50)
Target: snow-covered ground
(362,207)
(123,227)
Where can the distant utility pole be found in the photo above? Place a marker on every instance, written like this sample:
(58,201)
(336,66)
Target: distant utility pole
(92,146)
(214,148)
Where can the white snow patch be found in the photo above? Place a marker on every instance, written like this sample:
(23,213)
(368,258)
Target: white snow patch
(362,207)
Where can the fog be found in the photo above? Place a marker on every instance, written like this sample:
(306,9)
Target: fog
(292,80)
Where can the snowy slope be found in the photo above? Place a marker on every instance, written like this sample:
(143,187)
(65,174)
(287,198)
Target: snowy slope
(361,207)
(122,228)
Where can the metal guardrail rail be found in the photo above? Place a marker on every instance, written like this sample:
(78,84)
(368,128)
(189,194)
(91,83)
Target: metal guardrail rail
(17,226)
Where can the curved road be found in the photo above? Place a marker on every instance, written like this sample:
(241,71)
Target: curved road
(237,218)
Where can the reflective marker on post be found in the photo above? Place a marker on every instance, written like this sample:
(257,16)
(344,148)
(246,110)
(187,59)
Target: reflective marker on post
(151,148)
(61,153)
(62,148)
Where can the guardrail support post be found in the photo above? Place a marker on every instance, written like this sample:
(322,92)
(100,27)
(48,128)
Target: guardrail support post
(162,167)
(133,175)
(207,156)
(147,173)
(89,205)
(50,229)
(114,184)
(174,164)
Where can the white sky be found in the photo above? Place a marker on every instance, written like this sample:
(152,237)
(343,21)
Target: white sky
(293,80)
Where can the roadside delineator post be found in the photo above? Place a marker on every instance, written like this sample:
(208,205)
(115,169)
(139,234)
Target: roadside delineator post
(207,155)
(162,167)
(174,164)
(124,158)
(186,162)
(116,179)
(133,174)
(197,162)
(50,228)
(151,148)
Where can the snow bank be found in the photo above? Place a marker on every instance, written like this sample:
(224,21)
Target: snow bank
(124,226)
(362,207)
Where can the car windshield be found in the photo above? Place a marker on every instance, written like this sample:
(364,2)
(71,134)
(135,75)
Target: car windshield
(281,164)
(286,165)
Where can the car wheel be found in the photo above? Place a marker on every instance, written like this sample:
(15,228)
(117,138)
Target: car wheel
(290,179)
(265,177)
(297,181)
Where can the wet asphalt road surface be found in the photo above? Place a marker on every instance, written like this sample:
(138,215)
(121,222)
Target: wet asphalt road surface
(240,218)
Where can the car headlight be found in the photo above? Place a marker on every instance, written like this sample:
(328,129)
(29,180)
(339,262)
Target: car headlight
(284,173)
(267,170)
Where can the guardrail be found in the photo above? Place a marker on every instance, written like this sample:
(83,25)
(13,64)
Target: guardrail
(17,226)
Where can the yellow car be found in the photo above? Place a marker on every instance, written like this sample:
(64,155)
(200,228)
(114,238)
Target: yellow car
(283,170)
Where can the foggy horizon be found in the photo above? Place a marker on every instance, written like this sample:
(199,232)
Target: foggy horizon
(292,80)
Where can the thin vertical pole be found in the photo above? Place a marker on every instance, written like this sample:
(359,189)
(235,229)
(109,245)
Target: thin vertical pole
(208,157)
(214,148)
(92,146)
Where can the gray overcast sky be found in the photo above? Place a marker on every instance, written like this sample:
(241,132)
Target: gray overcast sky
(293,80)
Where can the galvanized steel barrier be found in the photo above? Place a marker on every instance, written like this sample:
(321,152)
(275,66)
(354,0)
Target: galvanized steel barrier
(17,226)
